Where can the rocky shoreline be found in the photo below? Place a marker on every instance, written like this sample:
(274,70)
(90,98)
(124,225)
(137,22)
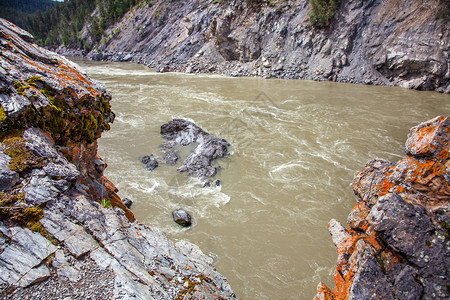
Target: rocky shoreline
(379,42)
(64,232)
(397,243)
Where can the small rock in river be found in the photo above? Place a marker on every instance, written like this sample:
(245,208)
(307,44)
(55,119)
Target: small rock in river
(127,201)
(150,162)
(210,183)
(207,184)
(181,217)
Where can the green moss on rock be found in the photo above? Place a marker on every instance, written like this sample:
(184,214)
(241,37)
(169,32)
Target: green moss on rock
(84,121)
(22,159)
(2,114)
(13,209)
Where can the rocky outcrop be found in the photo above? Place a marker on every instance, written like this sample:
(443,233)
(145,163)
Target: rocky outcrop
(388,42)
(63,229)
(209,148)
(397,243)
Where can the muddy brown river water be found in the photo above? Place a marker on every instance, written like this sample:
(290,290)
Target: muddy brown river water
(296,146)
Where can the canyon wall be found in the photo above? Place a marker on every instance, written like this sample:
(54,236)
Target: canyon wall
(386,42)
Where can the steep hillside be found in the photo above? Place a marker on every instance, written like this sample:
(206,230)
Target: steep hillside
(390,42)
(64,231)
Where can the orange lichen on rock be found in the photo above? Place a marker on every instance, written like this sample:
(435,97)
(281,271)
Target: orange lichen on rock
(47,91)
(57,98)
(430,138)
(390,260)
(357,217)
(323,292)
(429,177)
(385,185)
(343,280)
(370,236)
(373,181)
(109,185)
(109,192)
(390,229)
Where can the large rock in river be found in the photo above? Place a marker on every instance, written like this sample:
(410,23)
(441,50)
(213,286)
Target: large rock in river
(209,148)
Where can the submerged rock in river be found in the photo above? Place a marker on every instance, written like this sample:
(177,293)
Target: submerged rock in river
(397,245)
(210,147)
(171,154)
(150,162)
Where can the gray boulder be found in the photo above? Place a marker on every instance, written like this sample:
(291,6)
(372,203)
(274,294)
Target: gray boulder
(182,218)
(369,281)
(67,172)
(198,163)
(21,258)
(40,144)
(407,229)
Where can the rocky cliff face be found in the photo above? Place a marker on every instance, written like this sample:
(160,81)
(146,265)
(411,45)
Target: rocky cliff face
(397,243)
(64,232)
(389,42)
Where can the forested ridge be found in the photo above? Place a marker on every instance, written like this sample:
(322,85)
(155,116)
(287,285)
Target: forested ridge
(20,11)
(62,22)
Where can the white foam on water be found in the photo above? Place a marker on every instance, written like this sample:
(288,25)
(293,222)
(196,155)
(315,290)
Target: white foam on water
(288,172)
(199,199)
(135,121)
(144,187)
(117,72)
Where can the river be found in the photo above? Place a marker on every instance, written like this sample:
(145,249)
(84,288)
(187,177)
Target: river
(295,145)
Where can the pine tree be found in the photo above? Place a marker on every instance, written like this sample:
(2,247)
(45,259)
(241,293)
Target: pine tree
(322,11)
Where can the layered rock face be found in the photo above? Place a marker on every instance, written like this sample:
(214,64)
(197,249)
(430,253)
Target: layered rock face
(64,232)
(397,243)
(389,42)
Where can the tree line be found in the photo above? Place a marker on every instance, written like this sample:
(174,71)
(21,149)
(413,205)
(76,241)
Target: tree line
(18,11)
(62,22)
